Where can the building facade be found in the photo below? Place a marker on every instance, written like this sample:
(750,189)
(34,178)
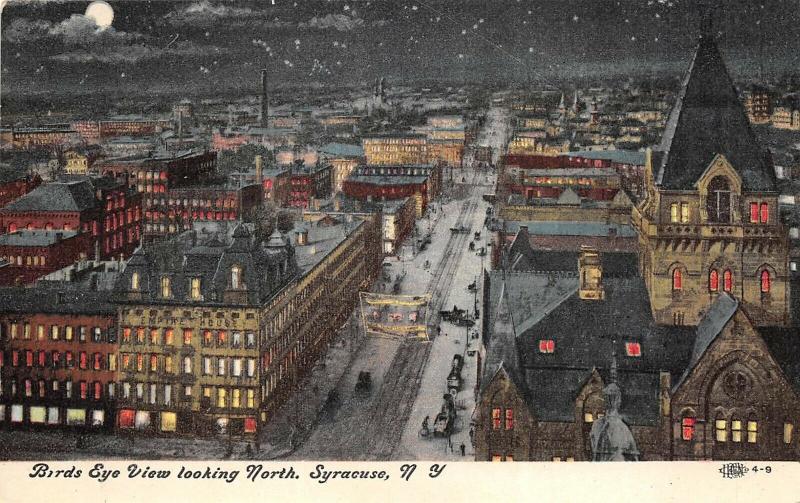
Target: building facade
(396,148)
(58,362)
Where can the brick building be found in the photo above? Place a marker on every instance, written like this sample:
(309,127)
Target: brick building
(14,184)
(58,360)
(107,210)
(154,177)
(395,148)
(392,182)
(309,182)
(30,254)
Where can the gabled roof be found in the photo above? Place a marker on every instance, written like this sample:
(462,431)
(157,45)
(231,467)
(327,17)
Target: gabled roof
(718,315)
(56,196)
(708,120)
(503,353)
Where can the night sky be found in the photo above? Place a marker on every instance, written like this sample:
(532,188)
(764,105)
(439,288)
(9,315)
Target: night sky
(218,45)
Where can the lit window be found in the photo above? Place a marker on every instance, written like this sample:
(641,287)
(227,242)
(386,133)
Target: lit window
(195,287)
(496,418)
(169,336)
(187,336)
(764,213)
(736,430)
(495,457)
(787,433)
(547,346)
(135,281)
(713,280)
(727,280)
(721,427)
(765,281)
(509,419)
(753,213)
(166,287)
(752,432)
(588,417)
(633,349)
(673,213)
(687,428)
(684,213)
(221,397)
(677,279)
(153,363)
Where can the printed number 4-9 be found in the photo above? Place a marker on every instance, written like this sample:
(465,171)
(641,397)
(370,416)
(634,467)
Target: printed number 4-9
(756,469)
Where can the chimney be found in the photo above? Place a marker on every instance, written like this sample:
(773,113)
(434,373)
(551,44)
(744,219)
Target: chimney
(264,115)
(590,271)
(180,127)
(59,236)
(259,170)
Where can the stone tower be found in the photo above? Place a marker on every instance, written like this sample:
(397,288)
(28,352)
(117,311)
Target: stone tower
(709,220)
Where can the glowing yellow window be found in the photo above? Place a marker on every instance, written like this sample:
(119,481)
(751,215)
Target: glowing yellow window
(752,432)
(721,427)
(588,417)
(736,430)
(787,433)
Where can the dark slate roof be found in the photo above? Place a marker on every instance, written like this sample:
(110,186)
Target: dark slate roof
(56,196)
(615,264)
(265,269)
(503,348)
(718,315)
(588,335)
(707,120)
(53,300)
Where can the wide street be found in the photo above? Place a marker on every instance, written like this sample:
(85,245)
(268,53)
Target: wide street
(409,377)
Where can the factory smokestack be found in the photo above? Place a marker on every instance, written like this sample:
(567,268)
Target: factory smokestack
(259,170)
(264,115)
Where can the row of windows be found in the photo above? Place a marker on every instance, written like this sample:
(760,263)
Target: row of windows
(27,260)
(736,430)
(166,337)
(235,367)
(61,389)
(679,213)
(727,280)
(55,359)
(56,332)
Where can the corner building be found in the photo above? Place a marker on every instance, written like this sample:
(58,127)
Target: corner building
(189,323)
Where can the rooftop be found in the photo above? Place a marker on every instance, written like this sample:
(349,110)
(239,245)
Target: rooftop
(35,237)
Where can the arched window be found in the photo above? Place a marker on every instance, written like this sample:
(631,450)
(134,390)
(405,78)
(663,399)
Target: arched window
(166,287)
(687,428)
(713,280)
(718,200)
(12,228)
(677,279)
(236,277)
(765,281)
(727,280)
(48,226)
(135,281)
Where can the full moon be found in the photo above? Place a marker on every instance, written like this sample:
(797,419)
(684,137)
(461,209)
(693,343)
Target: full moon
(101,13)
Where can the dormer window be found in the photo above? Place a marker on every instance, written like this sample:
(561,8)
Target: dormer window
(194,285)
(236,277)
(633,349)
(547,346)
(718,200)
(135,282)
(166,287)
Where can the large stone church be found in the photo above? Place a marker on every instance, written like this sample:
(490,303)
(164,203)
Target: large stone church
(696,337)
(709,222)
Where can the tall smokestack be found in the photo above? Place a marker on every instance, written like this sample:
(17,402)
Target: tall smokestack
(264,99)
(180,128)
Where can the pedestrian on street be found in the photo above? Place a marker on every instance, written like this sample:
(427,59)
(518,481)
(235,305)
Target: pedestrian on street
(463,449)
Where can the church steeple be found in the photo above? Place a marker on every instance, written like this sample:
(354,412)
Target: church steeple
(708,120)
